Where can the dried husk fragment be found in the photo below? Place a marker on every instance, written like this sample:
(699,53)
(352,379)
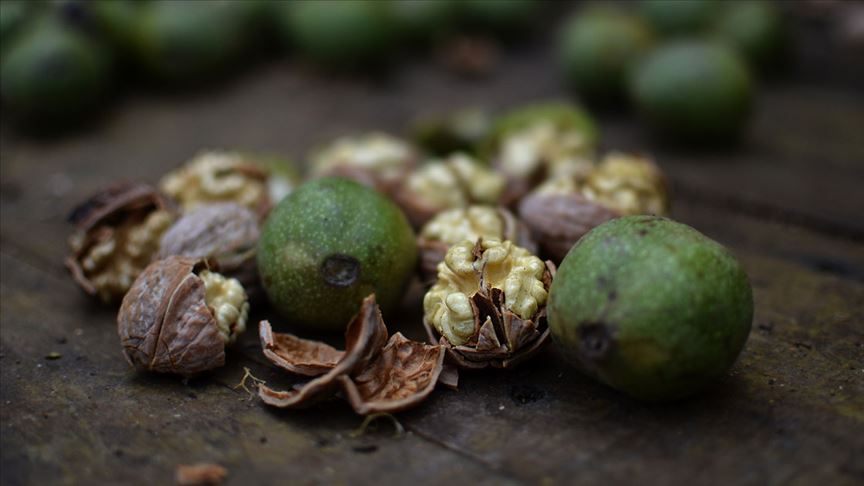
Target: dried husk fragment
(365,336)
(166,324)
(402,375)
(225,234)
(500,338)
(117,232)
(375,374)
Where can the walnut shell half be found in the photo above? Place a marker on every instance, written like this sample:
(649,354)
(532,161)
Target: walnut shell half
(173,320)
(117,232)
(375,376)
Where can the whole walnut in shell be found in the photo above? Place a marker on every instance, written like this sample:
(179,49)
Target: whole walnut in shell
(562,210)
(489,304)
(472,223)
(455,182)
(225,234)
(178,317)
(376,160)
(117,234)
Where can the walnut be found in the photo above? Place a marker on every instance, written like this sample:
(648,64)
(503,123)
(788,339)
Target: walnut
(461,131)
(629,184)
(562,210)
(117,234)
(375,373)
(178,317)
(456,225)
(542,142)
(377,160)
(456,182)
(225,234)
(228,177)
(489,303)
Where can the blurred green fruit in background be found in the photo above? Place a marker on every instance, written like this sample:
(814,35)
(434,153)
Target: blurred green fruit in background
(694,91)
(340,33)
(13,14)
(598,47)
(185,41)
(756,29)
(676,17)
(499,16)
(51,74)
(423,20)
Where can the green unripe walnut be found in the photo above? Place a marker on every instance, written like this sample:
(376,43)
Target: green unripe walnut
(599,47)
(693,91)
(52,75)
(327,246)
(680,17)
(650,307)
(756,30)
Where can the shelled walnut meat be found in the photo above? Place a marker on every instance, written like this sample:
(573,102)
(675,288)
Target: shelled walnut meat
(179,315)
(455,182)
(375,374)
(472,223)
(117,233)
(217,176)
(562,210)
(489,304)
(225,234)
(377,160)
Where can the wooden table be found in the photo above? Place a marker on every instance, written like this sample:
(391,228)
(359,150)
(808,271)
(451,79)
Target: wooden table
(788,202)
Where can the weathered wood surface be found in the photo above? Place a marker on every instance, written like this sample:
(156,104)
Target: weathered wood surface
(788,202)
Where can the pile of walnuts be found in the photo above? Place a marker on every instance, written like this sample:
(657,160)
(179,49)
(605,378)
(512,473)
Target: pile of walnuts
(181,255)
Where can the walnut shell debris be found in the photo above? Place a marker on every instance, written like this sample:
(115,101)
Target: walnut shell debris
(178,317)
(117,233)
(472,223)
(488,307)
(225,234)
(374,373)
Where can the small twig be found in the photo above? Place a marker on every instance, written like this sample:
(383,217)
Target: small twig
(255,382)
(360,431)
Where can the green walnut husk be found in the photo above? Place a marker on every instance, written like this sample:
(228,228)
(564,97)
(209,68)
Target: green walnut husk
(650,307)
(328,245)
(188,41)
(339,34)
(680,17)
(598,47)
(694,92)
(756,29)
(14,14)
(499,17)
(52,75)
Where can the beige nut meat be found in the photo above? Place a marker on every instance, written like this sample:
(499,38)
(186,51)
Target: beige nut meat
(216,176)
(179,316)
(472,223)
(375,159)
(489,303)
(117,233)
(562,210)
(455,182)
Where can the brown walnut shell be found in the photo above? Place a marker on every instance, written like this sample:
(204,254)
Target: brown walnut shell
(558,221)
(225,234)
(375,374)
(104,210)
(502,339)
(432,252)
(164,323)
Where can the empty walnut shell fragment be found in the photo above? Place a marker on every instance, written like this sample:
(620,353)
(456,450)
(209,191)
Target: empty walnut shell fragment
(117,232)
(374,373)
(178,317)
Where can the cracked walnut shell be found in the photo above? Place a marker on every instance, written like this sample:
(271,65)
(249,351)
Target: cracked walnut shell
(562,210)
(455,182)
(456,225)
(489,304)
(179,316)
(117,233)
(376,160)
(376,374)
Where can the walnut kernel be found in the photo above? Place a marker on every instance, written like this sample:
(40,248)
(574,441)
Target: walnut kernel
(375,159)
